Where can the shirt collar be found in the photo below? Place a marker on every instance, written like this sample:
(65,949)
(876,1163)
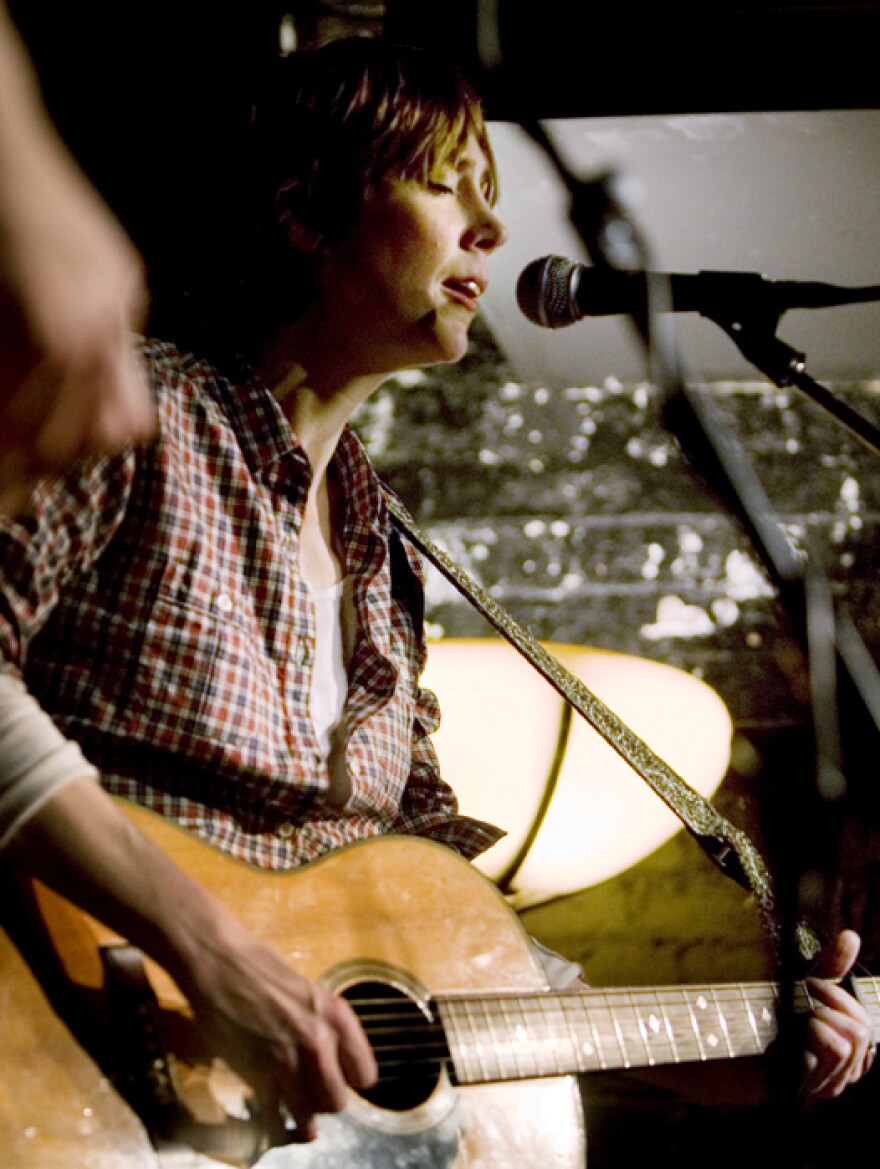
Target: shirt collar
(267,440)
(360,484)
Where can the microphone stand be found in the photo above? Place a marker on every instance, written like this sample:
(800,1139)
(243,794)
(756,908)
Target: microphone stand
(753,331)
(821,641)
(823,637)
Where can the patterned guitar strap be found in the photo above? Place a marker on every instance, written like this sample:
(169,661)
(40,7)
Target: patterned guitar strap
(731,849)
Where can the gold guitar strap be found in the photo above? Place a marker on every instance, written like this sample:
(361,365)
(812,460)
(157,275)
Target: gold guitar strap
(729,847)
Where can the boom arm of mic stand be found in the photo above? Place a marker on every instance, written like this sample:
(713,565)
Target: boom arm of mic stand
(756,340)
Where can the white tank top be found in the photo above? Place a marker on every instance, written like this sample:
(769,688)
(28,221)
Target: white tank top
(329,673)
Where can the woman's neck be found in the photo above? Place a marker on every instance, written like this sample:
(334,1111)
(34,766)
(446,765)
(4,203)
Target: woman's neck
(316,388)
(318,393)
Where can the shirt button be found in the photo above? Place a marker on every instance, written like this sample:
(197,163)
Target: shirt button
(285,830)
(224,602)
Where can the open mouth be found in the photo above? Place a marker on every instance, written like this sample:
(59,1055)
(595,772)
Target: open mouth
(465,292)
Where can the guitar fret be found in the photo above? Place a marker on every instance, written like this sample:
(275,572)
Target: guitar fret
(748,1032)
(753,1024)
(695,1026)
(670,1032)
(689,1040)
(722,1021)
(567,1026)
(768,1013)
(869,992)
(603,1062)
(585,1045)
(479,1046)
(457,1046)
(666,1012)
(610,1041)
(659,1027)
(494,1047)
(643,1029)
(802,999)
(533,1027)
(618,1029)
(640,1020)
(545,1049)
(554,1040)
(565,1035)
(621,1042)
(519,1036)
(589,1052)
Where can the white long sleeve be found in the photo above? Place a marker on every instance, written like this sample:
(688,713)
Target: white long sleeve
(35,758)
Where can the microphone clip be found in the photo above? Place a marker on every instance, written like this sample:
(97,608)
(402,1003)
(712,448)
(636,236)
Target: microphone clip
(754,334)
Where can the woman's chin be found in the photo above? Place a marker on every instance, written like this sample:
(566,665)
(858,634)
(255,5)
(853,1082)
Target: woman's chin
(453,341)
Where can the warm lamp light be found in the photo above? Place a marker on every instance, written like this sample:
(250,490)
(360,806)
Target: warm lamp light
(498,743)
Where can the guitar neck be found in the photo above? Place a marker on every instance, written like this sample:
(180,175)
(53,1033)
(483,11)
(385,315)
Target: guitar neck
(511,1037)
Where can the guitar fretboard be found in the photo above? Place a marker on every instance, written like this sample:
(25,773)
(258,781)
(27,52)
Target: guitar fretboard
(511,1037)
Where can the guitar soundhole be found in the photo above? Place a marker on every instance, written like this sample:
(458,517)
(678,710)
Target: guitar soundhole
(407,1041)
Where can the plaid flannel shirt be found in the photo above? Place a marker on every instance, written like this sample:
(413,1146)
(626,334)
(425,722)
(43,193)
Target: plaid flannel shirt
(153,604)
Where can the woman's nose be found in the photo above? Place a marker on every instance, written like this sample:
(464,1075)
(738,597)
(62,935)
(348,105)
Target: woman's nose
(488,233)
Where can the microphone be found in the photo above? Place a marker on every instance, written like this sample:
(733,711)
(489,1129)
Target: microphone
(554,292)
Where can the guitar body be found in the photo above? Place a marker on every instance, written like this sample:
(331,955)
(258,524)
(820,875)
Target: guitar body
(56,1109)
(400,911)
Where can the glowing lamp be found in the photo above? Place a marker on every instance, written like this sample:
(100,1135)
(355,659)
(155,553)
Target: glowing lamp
(504,733)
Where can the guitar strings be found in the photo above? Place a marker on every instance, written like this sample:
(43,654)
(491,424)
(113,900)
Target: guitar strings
(538,1002)
(404,1037)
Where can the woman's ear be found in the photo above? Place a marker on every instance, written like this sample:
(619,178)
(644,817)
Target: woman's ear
(301,238)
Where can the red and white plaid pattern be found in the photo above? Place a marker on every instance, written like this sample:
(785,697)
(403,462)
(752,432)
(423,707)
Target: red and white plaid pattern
(153,605)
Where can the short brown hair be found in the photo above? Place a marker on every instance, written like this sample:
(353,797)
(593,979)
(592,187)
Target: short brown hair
(332,122)
(327,124)
(337,119)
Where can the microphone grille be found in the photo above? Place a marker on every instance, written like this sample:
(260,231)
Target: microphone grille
(545,292)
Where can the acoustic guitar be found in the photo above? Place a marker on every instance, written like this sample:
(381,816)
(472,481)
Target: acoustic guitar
(477,1058)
